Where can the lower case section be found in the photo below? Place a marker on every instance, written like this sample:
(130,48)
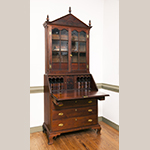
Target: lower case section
(52,134)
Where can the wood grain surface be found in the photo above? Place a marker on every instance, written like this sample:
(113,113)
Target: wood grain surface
(79,140)
(72,86)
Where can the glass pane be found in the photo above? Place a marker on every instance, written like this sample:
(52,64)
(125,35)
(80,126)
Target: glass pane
(82,36)
(74,46)
(82,57)
(55,57)
(82,47)
(74,35)
(64,45)
(74,57)
(64,34)
(64,56)
(55,33)
(55,45)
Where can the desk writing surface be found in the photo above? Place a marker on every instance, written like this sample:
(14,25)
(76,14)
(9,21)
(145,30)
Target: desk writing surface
(78,94)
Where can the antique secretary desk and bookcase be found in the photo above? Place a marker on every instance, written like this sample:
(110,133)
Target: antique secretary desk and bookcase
(70,92)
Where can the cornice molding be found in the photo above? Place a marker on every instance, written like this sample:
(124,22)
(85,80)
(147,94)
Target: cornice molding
(110,87)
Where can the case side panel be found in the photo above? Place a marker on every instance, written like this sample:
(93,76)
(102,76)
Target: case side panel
(93,84)
(46,65)
(46,102)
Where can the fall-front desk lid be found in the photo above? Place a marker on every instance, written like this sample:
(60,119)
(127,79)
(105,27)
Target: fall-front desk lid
(78,94)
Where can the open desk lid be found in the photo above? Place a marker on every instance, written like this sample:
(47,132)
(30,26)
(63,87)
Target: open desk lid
(77,94)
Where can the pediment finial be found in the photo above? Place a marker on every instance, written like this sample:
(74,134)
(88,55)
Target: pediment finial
(47,18)
(89,23)
(69,10)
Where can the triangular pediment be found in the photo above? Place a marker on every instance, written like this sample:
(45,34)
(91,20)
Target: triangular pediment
(69,20)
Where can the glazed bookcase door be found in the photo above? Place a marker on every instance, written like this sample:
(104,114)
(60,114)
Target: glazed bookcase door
(60,40)
(78,51)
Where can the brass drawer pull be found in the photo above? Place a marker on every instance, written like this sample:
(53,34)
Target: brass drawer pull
(90,120)
(75,119)
(60,105)
(75,101)
(60,125)
(89,102)
(75,109)
(90,110)
(60,114)
(85,96)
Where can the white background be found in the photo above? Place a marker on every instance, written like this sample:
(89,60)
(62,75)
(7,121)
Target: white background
(104,48)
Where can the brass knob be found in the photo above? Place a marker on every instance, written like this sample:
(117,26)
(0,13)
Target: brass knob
(90,120)
(89,102)
(75,119)
(60,105)
(60,114)
(75,101)
(85,96)
(90,110)
(75,109)
(60,125)
(70,55)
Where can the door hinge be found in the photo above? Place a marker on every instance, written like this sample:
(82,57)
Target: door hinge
(87,66)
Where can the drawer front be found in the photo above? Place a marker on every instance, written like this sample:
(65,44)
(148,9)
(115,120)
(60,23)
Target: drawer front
(74,112)
(75,103)
(75,122)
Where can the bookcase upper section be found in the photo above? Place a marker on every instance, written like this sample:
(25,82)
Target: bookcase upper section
(66,45)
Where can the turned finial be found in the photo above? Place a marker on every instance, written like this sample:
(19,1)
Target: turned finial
(69,10)
(90,23)
(47,18)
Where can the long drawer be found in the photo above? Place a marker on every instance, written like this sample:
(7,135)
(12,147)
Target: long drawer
(74,112)
(75,103)
(75,122)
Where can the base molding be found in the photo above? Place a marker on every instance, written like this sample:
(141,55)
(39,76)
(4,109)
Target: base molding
(36,129)
(53,134)
(110,123)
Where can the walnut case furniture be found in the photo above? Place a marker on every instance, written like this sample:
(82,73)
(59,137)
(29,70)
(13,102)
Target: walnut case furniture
(70,92)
